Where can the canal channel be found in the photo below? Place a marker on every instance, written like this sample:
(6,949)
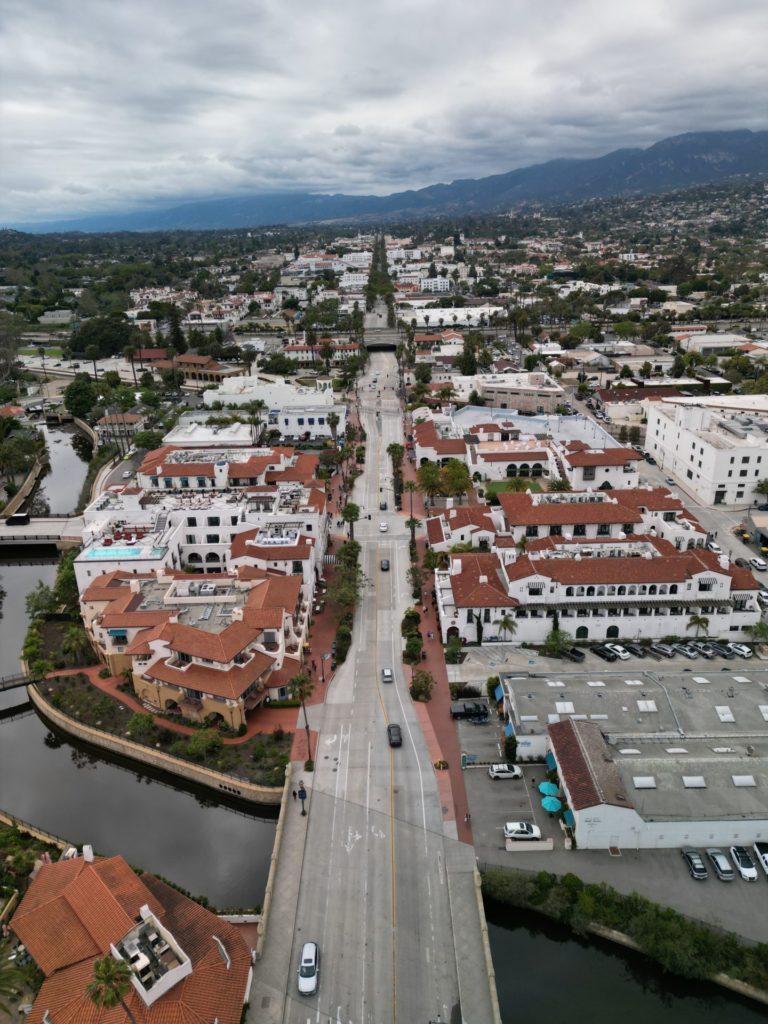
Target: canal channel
(222,851)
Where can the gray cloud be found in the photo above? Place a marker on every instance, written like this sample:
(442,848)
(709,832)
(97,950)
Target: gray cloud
(107,106)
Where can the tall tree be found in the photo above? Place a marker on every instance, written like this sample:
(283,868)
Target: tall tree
(351,514)
(110,985)
(12,982)
(333,423)
(698,622)
(129,353)
(301,689)
(507,624)
(93,353)
(429,481)
(455,479)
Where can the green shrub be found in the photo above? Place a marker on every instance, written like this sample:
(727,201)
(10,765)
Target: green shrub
(413,647)
(104,673)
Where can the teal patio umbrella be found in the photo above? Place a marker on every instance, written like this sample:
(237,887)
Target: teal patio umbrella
(548,788)
(551,804)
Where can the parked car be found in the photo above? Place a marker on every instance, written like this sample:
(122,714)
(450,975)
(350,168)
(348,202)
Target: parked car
(743,563)
(663,649)
(744,863)
(619,651)
(758,564)
(762,597)
(741,649)
(574,654)
(762,508)
(712,545)
(722,650)
(521,830)
(686,650)
(761,853)
(469,709)
(650,459)
(505,771)
(394,735)
(309,968)
(721,864)
(605,653)
(385,565)
(637,649)
(386,675)
(127,474)
(670,481)
(695,862)
(703,648)
(382,506)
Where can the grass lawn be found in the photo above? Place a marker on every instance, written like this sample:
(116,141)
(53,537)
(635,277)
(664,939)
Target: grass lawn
(50,351)
(502,486)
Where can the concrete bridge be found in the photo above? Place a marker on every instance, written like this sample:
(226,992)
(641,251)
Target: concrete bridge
(59,531)
(380,339)
(13,682)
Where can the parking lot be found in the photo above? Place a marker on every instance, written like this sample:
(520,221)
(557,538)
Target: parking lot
(660,875)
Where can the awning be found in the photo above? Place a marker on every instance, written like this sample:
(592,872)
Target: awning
(568,818)
(550,759)
(499,692)
(509,729)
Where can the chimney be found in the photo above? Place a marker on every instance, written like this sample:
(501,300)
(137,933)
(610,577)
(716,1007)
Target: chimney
(483,579)
(88,854)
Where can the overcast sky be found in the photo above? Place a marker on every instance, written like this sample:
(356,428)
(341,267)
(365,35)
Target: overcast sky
(108,106)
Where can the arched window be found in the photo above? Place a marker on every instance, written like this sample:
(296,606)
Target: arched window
(524,470)
(600,592)
(579,591)
(590,591)
(621,590)
(652,588)
(662,588)
(673,588)
(536,469)
(612,632)
(194,558)
(569,591)
(511,470)
(631,590)
(212,557)
(642,589)
(582,633)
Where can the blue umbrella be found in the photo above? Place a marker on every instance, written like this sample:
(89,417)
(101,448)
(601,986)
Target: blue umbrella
(551,804)
(548,788)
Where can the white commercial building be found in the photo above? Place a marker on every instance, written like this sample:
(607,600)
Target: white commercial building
(716,454)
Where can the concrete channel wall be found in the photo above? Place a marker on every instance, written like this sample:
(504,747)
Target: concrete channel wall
(217,781)
(267,904)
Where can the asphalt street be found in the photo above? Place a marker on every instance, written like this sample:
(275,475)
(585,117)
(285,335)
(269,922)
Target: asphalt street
(374,891)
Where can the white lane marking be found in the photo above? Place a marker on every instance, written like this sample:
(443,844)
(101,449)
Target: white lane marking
(330,740)
(365,876)
(352,839)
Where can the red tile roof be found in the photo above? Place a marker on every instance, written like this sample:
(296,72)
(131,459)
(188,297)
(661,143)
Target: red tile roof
(480,582)
(521,510)
(604,457)
(73,911)
(589,776)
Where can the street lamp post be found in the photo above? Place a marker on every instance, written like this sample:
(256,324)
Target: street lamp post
(302,795)
(323,658)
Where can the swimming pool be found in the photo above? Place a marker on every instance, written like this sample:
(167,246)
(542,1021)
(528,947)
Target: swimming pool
(115,552)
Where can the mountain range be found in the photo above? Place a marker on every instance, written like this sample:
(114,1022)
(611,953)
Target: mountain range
(695,158)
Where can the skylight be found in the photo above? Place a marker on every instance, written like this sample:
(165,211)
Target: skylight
(724,713)
(644,781)
(694,782)
(647,705)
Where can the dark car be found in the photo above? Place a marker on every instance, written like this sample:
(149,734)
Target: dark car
(650,459)
(383,506)
(743,563)
(394,735)
(722,651)
(695,862)
(469,709)
(574,654)
(385,565)
(637,649)
(604,653)
(762,508)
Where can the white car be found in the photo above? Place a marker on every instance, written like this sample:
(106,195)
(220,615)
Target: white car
(383,528)
(758,563)
(386,675)
(521,830)
(741,649)
(761,852)
(618,650)
(127,474)
(714,546)
(309,968)
(505,771)
(744,863)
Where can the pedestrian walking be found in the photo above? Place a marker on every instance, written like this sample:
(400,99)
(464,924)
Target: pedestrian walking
(294,794)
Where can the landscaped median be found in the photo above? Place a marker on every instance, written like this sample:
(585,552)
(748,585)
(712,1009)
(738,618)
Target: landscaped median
(253,770)
(681,946)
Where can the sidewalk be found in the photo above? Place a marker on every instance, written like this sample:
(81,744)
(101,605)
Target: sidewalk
(272,975)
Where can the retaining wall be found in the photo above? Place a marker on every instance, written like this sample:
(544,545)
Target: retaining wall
(15,503)
(217,781)
(267,904)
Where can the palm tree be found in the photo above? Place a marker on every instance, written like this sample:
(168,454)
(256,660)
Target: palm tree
(698,622)
(11,981)
(351,514)
(111,982)
(255,409)
(75,643)
(758,632)
(301,689)
(129,353)
(92,353)
(517,484)
(430,481)
(521,545)
(333,423)
(506,624)
(41,353)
